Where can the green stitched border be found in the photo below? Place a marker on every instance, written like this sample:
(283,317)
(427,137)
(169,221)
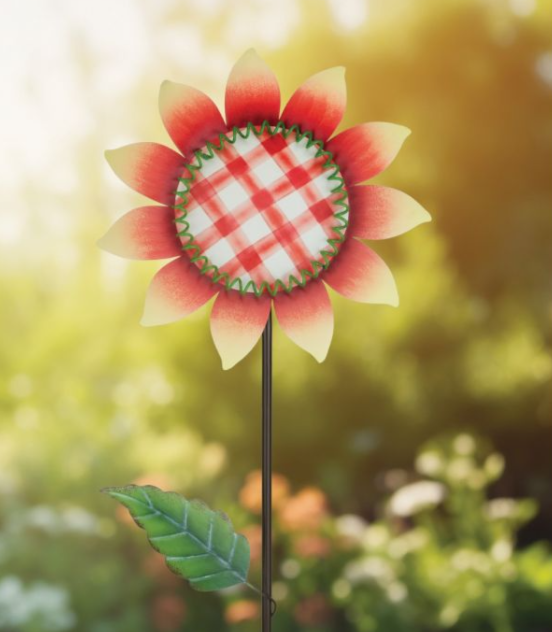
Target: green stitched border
(251,287)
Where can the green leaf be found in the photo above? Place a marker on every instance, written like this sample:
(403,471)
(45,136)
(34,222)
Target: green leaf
(198,544)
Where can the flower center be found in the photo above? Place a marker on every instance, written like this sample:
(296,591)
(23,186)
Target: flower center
(264,209)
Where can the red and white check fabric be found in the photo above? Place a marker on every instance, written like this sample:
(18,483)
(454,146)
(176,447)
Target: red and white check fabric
(262,208)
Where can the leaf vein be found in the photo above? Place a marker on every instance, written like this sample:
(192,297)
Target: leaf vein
(184,530)
(179,558)
(233,549)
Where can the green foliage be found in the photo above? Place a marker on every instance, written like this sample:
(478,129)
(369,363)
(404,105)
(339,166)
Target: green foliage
(198,544)
(447,560)
(439,554)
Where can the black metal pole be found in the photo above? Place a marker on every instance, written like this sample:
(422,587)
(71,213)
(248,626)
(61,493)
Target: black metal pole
(267,609)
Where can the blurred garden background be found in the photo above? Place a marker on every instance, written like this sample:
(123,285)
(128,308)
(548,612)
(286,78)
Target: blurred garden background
(415,485)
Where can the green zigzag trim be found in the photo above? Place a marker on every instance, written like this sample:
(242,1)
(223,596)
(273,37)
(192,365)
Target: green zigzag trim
(305,275)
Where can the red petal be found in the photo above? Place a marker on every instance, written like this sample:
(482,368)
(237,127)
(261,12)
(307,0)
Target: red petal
(358,273)
(380,212)
(363,151)
(252,92)
(306,316)
(147,232)
(177,290)
(149,168)
(237,322)
(319,104)
(189,115)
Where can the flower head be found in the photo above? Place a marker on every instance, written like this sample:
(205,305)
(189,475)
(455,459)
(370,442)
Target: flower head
(262,209)
(312,545)
(241,611)
(416,497)
(306,511)
(251,496)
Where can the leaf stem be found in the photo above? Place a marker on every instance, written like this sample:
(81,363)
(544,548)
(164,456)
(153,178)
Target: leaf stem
(273,604)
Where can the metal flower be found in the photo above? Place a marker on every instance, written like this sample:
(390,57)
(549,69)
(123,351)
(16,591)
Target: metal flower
(263,209)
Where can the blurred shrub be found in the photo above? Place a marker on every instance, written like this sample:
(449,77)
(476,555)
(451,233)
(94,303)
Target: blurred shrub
(439,555)
(38,607)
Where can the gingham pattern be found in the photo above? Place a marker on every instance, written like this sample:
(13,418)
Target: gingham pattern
(262,208)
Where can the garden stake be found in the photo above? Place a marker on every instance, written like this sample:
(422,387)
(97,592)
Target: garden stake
(267,606)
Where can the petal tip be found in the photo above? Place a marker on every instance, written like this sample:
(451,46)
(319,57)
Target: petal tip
(387,295)
(104,243)
(151,318)
(228,364)
(147,321)
(393,297)
(306,317)
(399,132)
(166,86)
(320,357)
(333,77)
(250,53)
(419,214)
(163,89)
(237,322)
(167,91)
(109,154)
(118,158)
(319,103)
(425,216)
(109,242)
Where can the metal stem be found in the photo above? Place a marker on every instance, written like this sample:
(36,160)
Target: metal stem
(267,609)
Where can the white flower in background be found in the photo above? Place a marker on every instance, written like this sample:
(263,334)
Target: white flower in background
(502,509)
(376,536)
(450,614)
(40,517)
(502,550)
(351,527)
(477,480)
(280,591)
(471,560)
(341,588)
(290,568)
(494,466)
(42,607)
(397,592)
(78,520)
(430,463)
(509,509)
(369,568)
(415,497)
(460,469)
(464,444)
(412,540)
(54,521)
